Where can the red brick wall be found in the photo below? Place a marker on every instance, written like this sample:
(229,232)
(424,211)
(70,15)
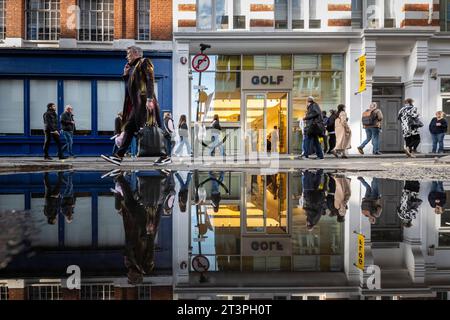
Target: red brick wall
(162,293)
(66,16)
(119,13)
(15,19)
(16,294)
(68,294)
(130,21)
(161,19)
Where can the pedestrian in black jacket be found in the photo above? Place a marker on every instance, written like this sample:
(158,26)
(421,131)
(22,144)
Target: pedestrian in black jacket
(438,129)
(51,130)
(313,128)
(68,129)
(437,197)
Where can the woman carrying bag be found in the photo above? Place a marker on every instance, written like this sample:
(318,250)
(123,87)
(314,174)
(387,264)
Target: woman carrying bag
(410,122)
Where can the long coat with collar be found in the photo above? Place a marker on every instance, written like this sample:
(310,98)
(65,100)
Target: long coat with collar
(140,86)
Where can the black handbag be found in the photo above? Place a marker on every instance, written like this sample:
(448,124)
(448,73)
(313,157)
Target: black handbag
(415,123)
(317,129)
(151,141)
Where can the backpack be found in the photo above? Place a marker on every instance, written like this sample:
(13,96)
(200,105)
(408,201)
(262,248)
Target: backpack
(368,118)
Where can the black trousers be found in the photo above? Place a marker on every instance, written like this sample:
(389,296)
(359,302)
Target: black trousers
(331,142)
(412,142)
(48,136)
(130,130)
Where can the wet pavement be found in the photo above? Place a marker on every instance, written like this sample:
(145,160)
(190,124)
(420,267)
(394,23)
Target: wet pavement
(296,235)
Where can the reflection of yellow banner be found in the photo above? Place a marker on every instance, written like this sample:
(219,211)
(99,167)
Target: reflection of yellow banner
(360,257)
(362,73)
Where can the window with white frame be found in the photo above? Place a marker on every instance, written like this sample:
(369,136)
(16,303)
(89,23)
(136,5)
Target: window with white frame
(143,15)
(212,14)
(445,15)
(144,292)
(289,14)
(12,97)
(445,92)
(96,20)
(239,11)
(357,13)
(43,19)
(97,292)
(44,292)
(314,14)
(2,19)
(389,13)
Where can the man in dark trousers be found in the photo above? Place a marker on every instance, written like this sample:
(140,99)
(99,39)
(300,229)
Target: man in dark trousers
(140,102)
(51,130)
(313,122)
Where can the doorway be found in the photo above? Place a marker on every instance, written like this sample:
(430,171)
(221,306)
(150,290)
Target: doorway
(390,101)
(265,122)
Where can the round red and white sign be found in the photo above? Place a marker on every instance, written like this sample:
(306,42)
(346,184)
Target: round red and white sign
(201,62)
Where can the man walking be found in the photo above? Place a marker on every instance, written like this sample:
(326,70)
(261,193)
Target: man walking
(68,129)
(140,102)
(51,130)
(313,128)
(371,120)
(169,132)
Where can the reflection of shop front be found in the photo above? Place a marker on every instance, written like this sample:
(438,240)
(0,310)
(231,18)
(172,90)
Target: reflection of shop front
(258,227)
(261,99)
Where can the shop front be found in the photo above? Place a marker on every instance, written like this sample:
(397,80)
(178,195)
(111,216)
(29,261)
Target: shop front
(261,99)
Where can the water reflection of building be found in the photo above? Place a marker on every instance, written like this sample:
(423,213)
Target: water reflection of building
(258,245)
(243,235)
(94,240)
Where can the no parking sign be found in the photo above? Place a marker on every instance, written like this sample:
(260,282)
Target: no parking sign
(201,62)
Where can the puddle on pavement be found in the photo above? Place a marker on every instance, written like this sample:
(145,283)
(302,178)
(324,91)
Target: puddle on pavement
(223,235)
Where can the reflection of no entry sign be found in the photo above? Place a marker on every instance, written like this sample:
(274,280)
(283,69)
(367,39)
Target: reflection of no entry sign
(200,62)
(200,264)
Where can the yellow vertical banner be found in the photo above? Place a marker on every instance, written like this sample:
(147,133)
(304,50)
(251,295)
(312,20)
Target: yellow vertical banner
(362,73)
(360,256)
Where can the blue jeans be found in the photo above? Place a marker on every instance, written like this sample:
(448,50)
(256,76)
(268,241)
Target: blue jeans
(68,136)
(374,135)
(133,147)
(183,142)
(216,143)
(438,142)
(316,144)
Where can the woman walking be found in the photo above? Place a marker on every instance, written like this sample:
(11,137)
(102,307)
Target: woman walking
(343,133)
(438,128)
(183,132)
(215,137)
(409,119)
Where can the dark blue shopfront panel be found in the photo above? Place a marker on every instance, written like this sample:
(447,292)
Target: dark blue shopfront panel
(73,64)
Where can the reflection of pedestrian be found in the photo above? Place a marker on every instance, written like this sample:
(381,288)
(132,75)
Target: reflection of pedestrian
(314,197)
(183,194)
(330,199)
(342,195)
(140,225)
(371,203)
(216,141)
(437,197)
(409,203)
(274,139)
(216,197)
(68,198)
(52,197)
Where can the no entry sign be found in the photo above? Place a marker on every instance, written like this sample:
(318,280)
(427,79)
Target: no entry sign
(201,62)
